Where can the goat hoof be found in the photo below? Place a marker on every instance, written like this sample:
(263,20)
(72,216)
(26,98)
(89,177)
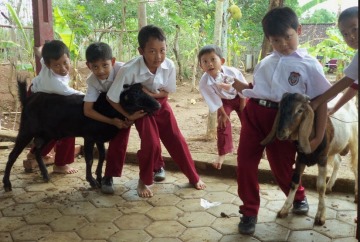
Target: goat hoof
(319,221)
(94,183)
(7,188)
(281,215)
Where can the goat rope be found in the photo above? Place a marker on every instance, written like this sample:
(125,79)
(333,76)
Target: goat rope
(344,120)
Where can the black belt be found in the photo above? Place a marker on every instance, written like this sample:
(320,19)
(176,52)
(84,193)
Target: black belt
(266,103)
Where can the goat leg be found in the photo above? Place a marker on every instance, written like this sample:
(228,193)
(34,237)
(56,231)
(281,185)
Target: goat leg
(354,165)
(41,164)
(334,159)
(320,185)
(299,169)
(101,149)
(20,144)
(88,150)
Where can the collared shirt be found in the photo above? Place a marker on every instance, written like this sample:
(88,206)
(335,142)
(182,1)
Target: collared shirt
(352,69)
(96,86)
(213,94)
(277,74)
(49,82)
(136,71)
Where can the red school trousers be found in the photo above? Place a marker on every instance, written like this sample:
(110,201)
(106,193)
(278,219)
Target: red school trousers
(257,122)
(116,153)
(162,125)
(224,134)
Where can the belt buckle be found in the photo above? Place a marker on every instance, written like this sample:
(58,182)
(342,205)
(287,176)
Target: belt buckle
(262,102)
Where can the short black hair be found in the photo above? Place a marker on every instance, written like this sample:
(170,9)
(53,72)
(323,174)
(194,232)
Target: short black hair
(208,49)
(278,20)
(53,50)
(150,31)
(348,13)
(98,51)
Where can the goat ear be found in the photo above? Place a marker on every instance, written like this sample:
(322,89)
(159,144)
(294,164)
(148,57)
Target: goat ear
(271,136)
(305,129)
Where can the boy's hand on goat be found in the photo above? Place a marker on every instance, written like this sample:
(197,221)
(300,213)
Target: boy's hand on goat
(136,115)
(120,124)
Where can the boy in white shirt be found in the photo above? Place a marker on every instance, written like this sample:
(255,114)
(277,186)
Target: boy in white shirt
(54,78)
(158,76)
(104,68)
(216,88)
(286,69)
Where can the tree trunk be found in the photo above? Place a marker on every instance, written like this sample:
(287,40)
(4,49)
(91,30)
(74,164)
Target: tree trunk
(176,52)
(142,13)
(266,47)
(212,122)
(224,29)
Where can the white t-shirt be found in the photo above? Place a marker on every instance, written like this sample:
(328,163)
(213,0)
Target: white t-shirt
(213,94)
(49,82)
(96,86)
(277,74)
(136,71)
(352,69)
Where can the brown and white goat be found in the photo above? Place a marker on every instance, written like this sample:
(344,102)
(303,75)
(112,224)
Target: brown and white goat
(295,121)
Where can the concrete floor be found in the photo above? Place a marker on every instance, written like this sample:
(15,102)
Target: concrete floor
(67,209)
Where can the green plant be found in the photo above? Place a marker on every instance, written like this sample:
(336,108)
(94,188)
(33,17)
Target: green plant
(333,47)
(26,47)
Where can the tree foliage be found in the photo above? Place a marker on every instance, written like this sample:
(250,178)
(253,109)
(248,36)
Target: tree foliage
(319,16)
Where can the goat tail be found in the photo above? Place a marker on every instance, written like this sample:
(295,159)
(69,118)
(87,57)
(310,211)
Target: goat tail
(271,136)
(22,88)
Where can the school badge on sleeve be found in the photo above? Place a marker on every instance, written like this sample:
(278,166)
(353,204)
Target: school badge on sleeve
(294,78)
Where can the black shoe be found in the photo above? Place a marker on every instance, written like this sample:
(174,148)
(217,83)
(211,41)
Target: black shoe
(107,185)
(247,224)
(301,207)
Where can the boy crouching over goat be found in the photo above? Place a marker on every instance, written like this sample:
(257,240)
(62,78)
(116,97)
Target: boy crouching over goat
(46,117)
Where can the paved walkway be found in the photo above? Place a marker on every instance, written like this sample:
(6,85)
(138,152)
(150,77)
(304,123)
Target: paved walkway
(67,209)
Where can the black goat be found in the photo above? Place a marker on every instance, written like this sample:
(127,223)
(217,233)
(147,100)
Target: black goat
(48,117)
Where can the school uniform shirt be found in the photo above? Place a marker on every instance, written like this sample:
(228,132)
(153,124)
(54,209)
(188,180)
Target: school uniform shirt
(49,82)
(213,94)
(277,74)
(96,86)
(352,70)
(136,71)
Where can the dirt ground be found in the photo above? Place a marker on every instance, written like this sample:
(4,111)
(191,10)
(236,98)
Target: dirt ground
(189,108)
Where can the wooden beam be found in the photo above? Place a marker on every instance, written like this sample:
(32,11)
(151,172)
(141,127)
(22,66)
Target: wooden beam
(43,25)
